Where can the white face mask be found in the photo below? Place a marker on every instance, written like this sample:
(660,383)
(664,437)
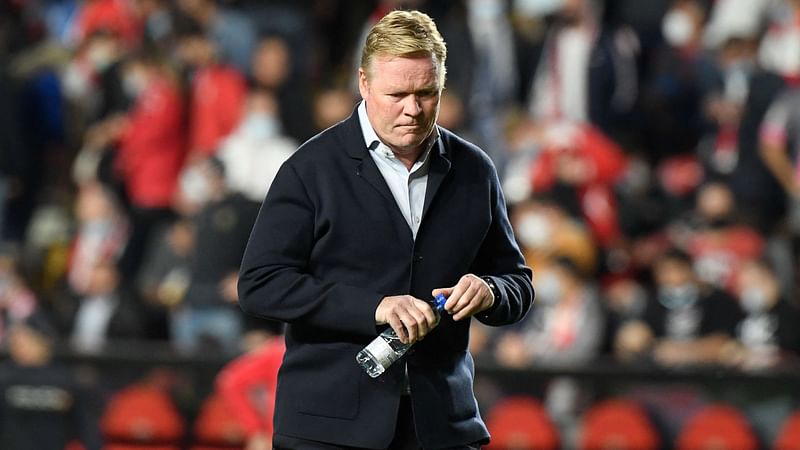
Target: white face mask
(485,9)
(680,296)
(677,28)
(195,185)
(548,289)
(260,126)
(753,300)
(534,230)
(134,84)
(536,8)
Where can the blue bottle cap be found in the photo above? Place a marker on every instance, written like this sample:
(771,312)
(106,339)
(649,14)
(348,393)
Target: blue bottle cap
(439,302)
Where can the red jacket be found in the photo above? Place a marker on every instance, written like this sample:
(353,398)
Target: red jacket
(218,94)
(241,382)
(152,147)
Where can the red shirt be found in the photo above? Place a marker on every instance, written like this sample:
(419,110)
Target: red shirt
(254,373)
(218,95)
(152,148)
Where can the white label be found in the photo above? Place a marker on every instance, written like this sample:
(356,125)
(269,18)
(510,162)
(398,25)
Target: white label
(382,352)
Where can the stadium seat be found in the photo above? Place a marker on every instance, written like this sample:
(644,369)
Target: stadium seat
(141,417)
(521,423)
(216,427)
(618,424)
(789,435)
(718,427)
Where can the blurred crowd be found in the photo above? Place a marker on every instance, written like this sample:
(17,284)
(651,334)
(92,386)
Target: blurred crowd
(647,150)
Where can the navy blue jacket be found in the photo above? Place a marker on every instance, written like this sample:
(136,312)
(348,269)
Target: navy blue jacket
(330,242)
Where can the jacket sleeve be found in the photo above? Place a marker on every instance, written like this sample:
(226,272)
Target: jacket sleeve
(500,259)
(276,280)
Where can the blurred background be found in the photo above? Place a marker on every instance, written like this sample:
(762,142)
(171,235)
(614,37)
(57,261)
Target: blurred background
(648,152)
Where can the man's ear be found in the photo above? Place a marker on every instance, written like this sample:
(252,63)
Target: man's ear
(363,83)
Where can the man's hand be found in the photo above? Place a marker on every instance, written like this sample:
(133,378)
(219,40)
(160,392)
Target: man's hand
(468,297)
(409,317)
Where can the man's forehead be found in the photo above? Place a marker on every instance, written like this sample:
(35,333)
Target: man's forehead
(401,69)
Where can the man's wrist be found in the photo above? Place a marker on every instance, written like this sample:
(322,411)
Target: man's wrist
(492,288)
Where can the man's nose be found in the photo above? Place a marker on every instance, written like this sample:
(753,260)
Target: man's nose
(412,106)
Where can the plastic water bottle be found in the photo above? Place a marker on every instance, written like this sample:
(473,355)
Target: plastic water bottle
(385,349)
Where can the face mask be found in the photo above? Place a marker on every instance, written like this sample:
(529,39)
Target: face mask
(134,84)
(753,300)
(536,8)
(485,9)
(195,186)
(260,126)
(677,28)
(534,230)
(737,80)
(548,289)
(680,296)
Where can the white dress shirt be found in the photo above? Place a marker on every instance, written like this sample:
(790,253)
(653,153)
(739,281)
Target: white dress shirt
(407,186)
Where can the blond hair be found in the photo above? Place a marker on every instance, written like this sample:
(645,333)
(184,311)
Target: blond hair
(405,33)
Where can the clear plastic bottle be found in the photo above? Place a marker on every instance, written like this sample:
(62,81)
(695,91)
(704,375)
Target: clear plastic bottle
(385,349)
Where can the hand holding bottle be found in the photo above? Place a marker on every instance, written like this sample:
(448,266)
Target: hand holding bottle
(410,318)
(387,348)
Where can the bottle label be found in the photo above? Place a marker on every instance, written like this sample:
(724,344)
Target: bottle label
(382,352)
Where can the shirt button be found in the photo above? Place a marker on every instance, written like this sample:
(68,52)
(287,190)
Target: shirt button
(416,220)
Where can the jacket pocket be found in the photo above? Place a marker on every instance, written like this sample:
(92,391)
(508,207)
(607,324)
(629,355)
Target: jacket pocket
(324,381)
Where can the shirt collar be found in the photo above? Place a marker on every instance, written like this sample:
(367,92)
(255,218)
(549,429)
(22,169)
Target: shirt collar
(373,142)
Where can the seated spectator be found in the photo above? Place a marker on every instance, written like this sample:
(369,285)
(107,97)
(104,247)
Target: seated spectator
(545,231)
(768,333)
(566,328)
(164,276)
(105,311)
(222,226)
(625,303)
(101,236)
(686,323)
(714,238)
(42,405)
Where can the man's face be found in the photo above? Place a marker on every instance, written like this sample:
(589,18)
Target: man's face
(402,98)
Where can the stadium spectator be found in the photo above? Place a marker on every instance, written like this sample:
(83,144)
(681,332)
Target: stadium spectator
(687,324)
(105,311)
(255,150)
(208,310)
(217,93)
(42,405)
(766,335)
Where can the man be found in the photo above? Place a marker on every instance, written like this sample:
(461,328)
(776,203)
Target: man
(42,405)
(361,227)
